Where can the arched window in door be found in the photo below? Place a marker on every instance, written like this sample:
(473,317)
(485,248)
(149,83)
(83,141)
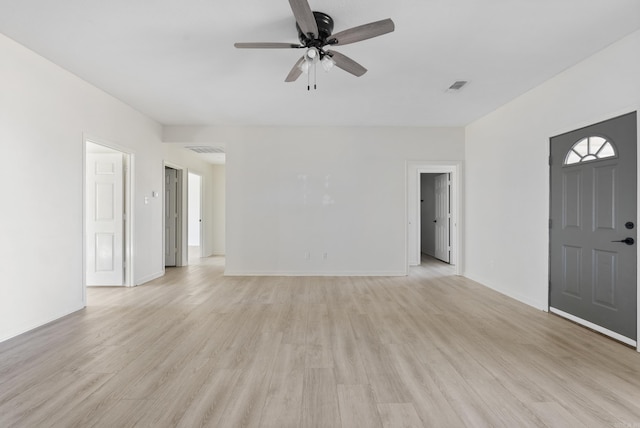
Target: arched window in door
(590,149)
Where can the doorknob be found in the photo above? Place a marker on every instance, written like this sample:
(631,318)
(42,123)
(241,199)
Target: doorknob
(628,241)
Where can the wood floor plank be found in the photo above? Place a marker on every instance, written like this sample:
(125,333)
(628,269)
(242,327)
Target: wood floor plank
(168,403)
(358,407)
(504,407)
(404,415)
(249,394)
(555,416)
(434,408)
(320,399)
(43,403)
(294,324)
(283,405)
(467,404)
(122,413)
(347,362)
(378,362)
(208,407)
(319,349)
(195,348)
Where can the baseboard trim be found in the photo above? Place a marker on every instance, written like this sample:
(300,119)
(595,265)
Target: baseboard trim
(148,278)
(39,324)
(522,299)
(301,274)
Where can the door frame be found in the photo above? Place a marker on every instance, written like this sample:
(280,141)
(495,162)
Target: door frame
(181,240)
(583,124)
(413,171)
(129,228)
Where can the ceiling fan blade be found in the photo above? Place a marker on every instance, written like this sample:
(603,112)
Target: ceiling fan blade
(267,45)
(362,32)
(347,64)
(295,72)
(304,16)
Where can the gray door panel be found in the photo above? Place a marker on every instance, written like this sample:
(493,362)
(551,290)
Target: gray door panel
(592,277)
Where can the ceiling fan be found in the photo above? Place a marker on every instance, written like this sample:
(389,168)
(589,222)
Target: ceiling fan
(315,35)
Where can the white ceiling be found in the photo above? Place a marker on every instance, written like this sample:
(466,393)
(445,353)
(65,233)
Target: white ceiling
(174,60)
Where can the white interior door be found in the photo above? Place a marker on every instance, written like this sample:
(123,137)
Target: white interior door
(443,218)
(455,172)
(171,217)
(105,223)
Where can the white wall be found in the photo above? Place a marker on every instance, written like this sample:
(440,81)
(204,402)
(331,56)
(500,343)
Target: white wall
(194,197)
(216,194)
(269,226)
(507,174)
(45,113)
(341,191)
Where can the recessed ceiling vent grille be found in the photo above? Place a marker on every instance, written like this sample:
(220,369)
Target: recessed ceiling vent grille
(205,149)
(457,85)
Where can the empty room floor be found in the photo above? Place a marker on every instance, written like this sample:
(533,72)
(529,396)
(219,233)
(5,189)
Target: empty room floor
(195,348)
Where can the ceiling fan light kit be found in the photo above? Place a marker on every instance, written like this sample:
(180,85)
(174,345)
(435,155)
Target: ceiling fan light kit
(327,63)
(315,32)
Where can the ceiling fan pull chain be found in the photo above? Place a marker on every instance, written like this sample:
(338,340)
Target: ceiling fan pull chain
(315,77)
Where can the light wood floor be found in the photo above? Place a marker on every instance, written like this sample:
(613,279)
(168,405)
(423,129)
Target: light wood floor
(198,349)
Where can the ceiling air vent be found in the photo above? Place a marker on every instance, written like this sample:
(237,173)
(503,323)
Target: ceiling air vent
(205,149)
(457,85)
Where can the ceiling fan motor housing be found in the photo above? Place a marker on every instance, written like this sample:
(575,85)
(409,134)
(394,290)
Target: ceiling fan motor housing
(325,28)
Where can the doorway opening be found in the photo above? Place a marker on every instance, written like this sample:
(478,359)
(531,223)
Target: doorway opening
(194,214)
(174,251)
(452,173)
(435,216)
(108,214)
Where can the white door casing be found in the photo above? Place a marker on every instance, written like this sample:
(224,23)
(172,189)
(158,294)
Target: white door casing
(414,169)
(105,222)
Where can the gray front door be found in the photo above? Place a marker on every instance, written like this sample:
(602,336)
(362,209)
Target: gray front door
(593,205)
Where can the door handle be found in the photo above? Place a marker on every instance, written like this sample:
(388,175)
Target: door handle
(628,241)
